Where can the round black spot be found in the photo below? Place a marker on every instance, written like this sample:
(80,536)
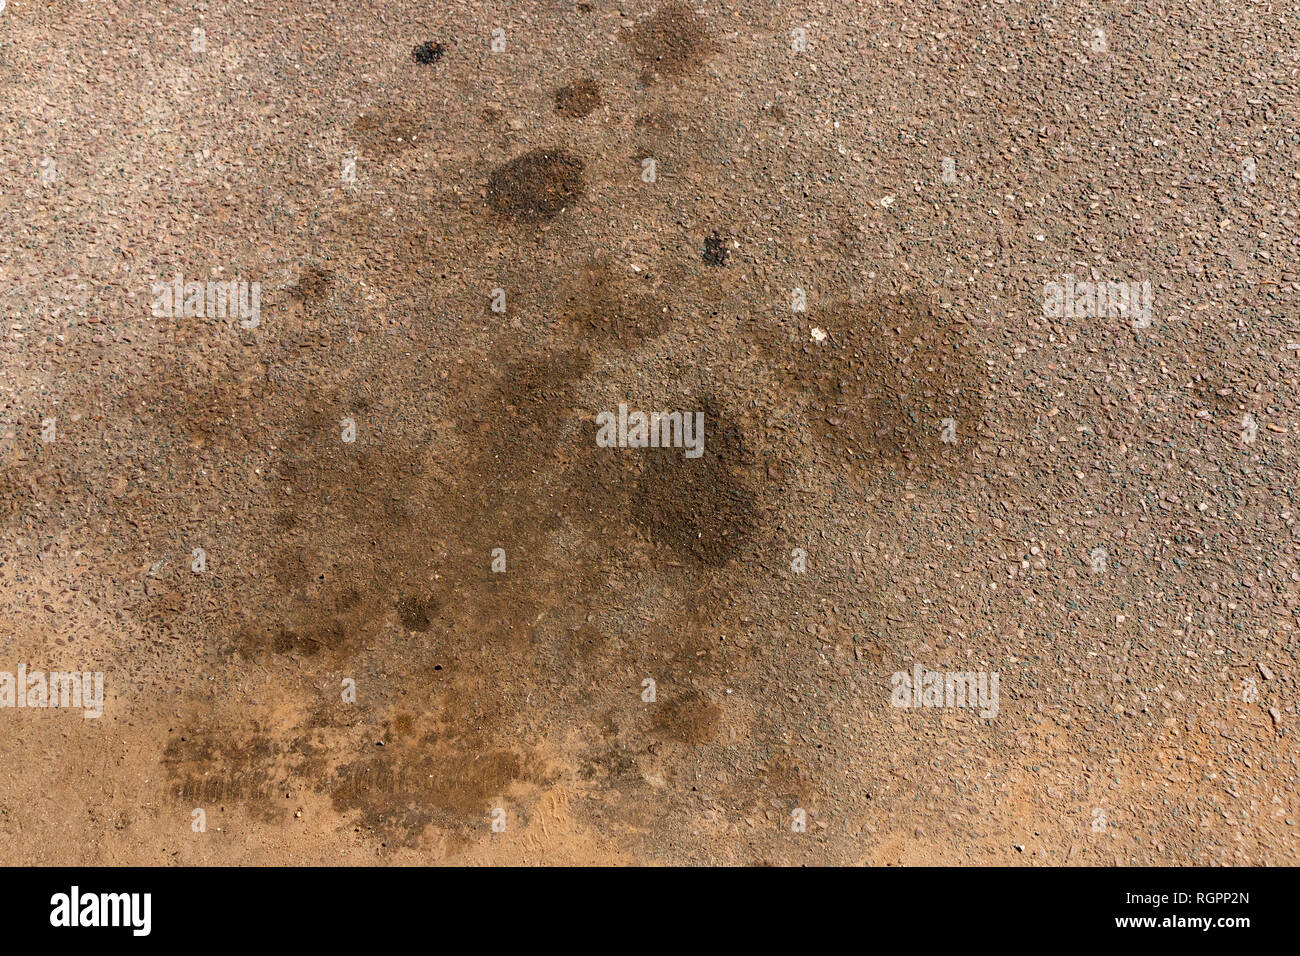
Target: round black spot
(715,250)
(428,52)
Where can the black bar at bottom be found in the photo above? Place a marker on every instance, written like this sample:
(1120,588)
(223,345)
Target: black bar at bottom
(939,906)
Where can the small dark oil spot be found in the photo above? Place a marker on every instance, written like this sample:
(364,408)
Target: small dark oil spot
(313,285)
(715,250)
(415,614)
(428,52)
(575,100)
(689,719)
(536,185)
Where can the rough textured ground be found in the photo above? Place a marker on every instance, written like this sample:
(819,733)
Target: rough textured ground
(1147,708)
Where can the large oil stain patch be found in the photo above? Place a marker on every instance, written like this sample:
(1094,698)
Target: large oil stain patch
(536,185)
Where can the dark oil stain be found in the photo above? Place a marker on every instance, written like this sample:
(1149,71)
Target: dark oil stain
(715,250)
(208,768)
(577,99)
(704,510)
(536,185)
(347,545)
(439,769)
(415,613)
(358,541)
(393,780)
(399,794)
(671,42)
(687,719)
(339,544)
(327,634)
(395,791)
(313,285)
(428,52)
